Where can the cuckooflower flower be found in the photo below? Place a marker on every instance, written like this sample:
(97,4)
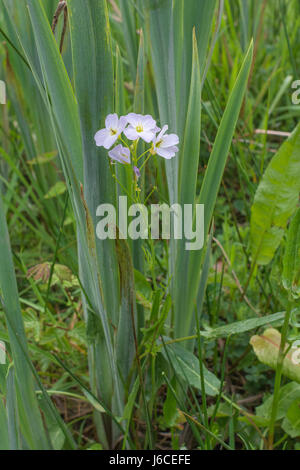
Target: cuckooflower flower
(140,126)
(165,144)
(120,154)
(113,127)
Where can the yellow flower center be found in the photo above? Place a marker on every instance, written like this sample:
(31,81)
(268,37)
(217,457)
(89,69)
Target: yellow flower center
(139,128)
(113,131)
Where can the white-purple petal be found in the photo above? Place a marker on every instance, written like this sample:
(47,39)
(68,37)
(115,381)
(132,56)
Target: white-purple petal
(122,123)
(131,133)
(111,121)
(120,154)
(110,140)
(158,138)
(148,122)
(169,140)
(166,153)
(147,135)
(134,119)
(100,137)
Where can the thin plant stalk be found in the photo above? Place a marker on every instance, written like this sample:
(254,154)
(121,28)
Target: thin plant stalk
(279,367)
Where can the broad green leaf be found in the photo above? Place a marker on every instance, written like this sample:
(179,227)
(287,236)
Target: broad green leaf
(266,347)
(242,326)
(275,200)
(170,408)
(236,328)
(186,366)
(288,394)
(291,424)
(291,261)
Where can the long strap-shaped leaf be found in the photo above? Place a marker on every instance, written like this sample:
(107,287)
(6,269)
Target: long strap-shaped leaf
(210,189)
(94,92)
(188,175)
(161,24)
(31,422)
(61,97)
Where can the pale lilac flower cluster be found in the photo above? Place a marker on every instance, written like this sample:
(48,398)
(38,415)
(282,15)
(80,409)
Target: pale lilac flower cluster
(135,127)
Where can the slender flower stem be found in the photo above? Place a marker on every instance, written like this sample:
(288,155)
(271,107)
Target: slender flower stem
(123,142)
(281,356)
(144,153)
(153,264)
(150,194)
(135,144)
(123,187)
(145,161)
